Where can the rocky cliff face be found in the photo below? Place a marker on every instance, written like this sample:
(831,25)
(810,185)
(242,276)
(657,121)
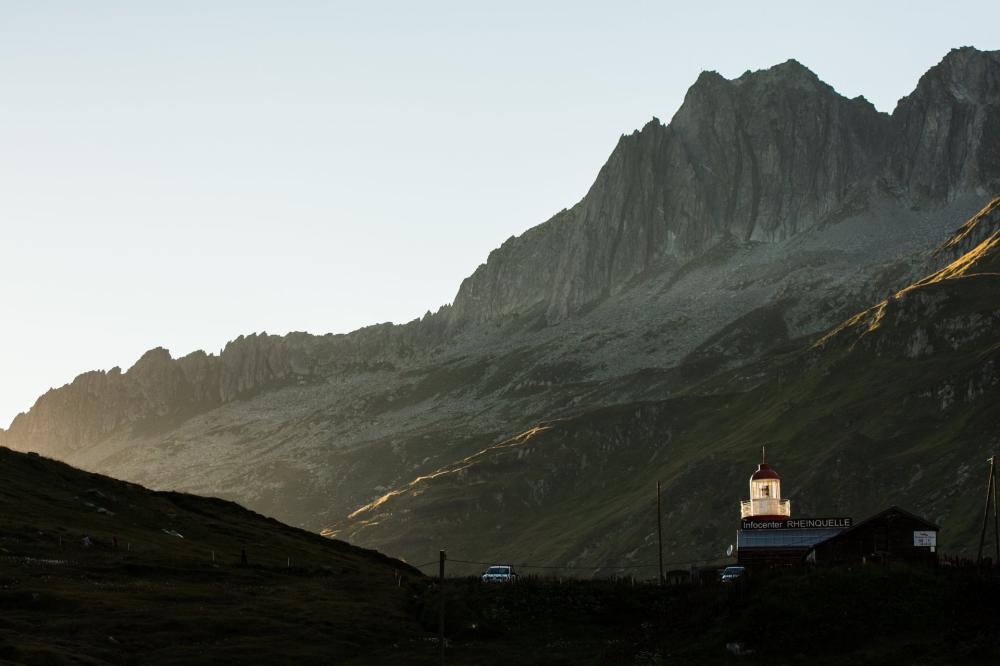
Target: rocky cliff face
(157,388)
(980,227)
(946,134)
(159,391)
(758,158)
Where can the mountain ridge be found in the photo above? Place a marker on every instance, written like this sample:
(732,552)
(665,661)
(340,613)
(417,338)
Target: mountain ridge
(477,301)
(596,310)
(670,205)
(942,328)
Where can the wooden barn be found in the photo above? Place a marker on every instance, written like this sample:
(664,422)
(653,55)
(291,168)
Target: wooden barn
(894,535)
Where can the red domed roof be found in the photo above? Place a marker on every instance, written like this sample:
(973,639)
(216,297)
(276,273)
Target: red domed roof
(764,471)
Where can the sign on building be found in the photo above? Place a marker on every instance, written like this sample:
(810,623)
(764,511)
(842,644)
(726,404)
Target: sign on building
(795,523)
(925,538)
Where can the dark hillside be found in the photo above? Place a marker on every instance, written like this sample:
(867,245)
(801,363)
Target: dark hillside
(158,597)
(873,615)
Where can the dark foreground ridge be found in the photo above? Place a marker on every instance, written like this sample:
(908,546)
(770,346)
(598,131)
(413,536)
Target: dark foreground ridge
(147,591)
(96,570)
(870,615)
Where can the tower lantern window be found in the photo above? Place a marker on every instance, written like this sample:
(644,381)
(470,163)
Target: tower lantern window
(765,494)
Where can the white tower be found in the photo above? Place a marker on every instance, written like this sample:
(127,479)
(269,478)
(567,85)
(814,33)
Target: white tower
(765,494)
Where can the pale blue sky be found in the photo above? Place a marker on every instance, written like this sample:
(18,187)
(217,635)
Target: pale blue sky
(178,173)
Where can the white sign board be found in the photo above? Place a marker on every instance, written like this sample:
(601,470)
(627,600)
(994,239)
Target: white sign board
(928,538)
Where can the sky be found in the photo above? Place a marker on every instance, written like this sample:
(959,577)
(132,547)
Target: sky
(178,173)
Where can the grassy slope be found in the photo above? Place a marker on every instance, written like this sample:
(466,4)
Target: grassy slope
(164,602)
(896,406)
(159,598)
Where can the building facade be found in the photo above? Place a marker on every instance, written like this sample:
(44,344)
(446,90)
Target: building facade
(894,535)
(768,535)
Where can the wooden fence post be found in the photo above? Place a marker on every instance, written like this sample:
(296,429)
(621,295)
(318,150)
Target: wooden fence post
(659,531)
(441,610)
(986,510)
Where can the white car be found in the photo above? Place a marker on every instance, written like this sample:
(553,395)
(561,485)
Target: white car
(500,573)
(730,574)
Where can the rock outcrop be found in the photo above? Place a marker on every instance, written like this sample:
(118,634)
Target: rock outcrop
(159,391)
(759,158)
(946,134)
(156,388)
(983,225)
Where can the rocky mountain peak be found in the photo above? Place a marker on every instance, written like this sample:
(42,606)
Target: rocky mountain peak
(156,357)
(964,80)
(789,74)
(965,74)
(759,158)
(654,124)
(708,80)
(946,136)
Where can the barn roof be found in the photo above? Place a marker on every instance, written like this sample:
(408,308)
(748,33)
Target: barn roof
(871,519)
(893,509)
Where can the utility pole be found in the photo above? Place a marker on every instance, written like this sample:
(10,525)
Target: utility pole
(441,610)
(996,511)
(990,495)
(659,531)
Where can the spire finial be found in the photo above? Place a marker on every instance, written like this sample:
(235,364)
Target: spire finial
(763,455)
